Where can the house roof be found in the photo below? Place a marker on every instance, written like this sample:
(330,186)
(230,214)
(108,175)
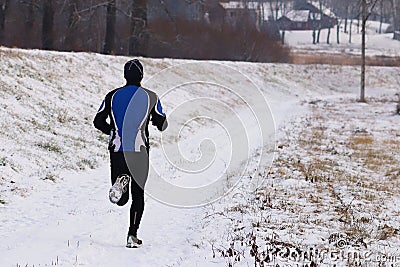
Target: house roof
(267,10)
(262,7)
(325,10)
(240,5)
(298,15)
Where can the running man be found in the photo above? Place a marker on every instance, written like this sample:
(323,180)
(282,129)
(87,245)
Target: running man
(129,110)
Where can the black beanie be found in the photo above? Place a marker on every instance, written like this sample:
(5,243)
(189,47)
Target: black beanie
(133,72)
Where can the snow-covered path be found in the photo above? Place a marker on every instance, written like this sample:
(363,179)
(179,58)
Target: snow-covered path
(73,222)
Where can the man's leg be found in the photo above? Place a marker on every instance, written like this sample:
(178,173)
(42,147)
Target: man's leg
(139,165)
(137,208)
(119,167)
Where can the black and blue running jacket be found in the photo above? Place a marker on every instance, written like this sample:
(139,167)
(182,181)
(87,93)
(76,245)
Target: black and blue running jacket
(129,110)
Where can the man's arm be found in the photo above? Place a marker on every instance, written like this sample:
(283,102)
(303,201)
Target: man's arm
(100,120)
(158,118)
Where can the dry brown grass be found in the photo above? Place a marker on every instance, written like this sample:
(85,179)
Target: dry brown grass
(391,143)
(393,173)
(375,155)
(386,232)
(360,141)
(347,60)
(9,53)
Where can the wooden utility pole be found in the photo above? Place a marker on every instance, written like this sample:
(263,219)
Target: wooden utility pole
(364,21)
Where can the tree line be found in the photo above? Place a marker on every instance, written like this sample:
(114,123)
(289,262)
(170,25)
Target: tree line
(96,25)
(346,12)
(123,27)
(350,11)
(127,27)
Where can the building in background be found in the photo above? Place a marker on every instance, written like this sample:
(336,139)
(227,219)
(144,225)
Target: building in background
(289,15)
(307,16)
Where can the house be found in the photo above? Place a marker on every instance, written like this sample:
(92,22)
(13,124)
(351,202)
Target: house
(296,20)
(259,13)
(236,11)
(306,16)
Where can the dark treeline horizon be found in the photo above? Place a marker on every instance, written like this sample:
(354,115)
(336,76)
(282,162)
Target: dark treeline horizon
(135,27)
(192,29)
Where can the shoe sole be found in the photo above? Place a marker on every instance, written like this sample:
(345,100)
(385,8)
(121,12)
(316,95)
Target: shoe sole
(134,246)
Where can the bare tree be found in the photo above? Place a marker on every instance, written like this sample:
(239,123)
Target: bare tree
(338,31)
(47,25)
(29,20)
(341,10)
(351,31)
(320,20)
(381,14)
(110,27)
(329,27)
(364,21)
(138,28)
(354,11)
(314,27)
(72,24)
(365,16)
(347,17)
(394,6)
(3,12)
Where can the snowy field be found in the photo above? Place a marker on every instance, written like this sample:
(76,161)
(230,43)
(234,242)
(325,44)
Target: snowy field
(334,178)
(377,44)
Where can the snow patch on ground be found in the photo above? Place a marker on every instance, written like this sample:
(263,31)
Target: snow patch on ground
(376,44)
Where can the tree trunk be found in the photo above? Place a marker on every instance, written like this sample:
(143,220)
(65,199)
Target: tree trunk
(138,32)
(272,10)
(329,35)
(320,20)
(47,25)
(29,22)
(364,21)
(394,17)
(73,18)
(350,31)
(313,37)
(347,17)
(319,34)
(3,13)
(338,33)
(381,17)
(110,27)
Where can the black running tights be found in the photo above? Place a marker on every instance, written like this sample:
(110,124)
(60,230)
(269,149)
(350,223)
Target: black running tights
(136,165)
